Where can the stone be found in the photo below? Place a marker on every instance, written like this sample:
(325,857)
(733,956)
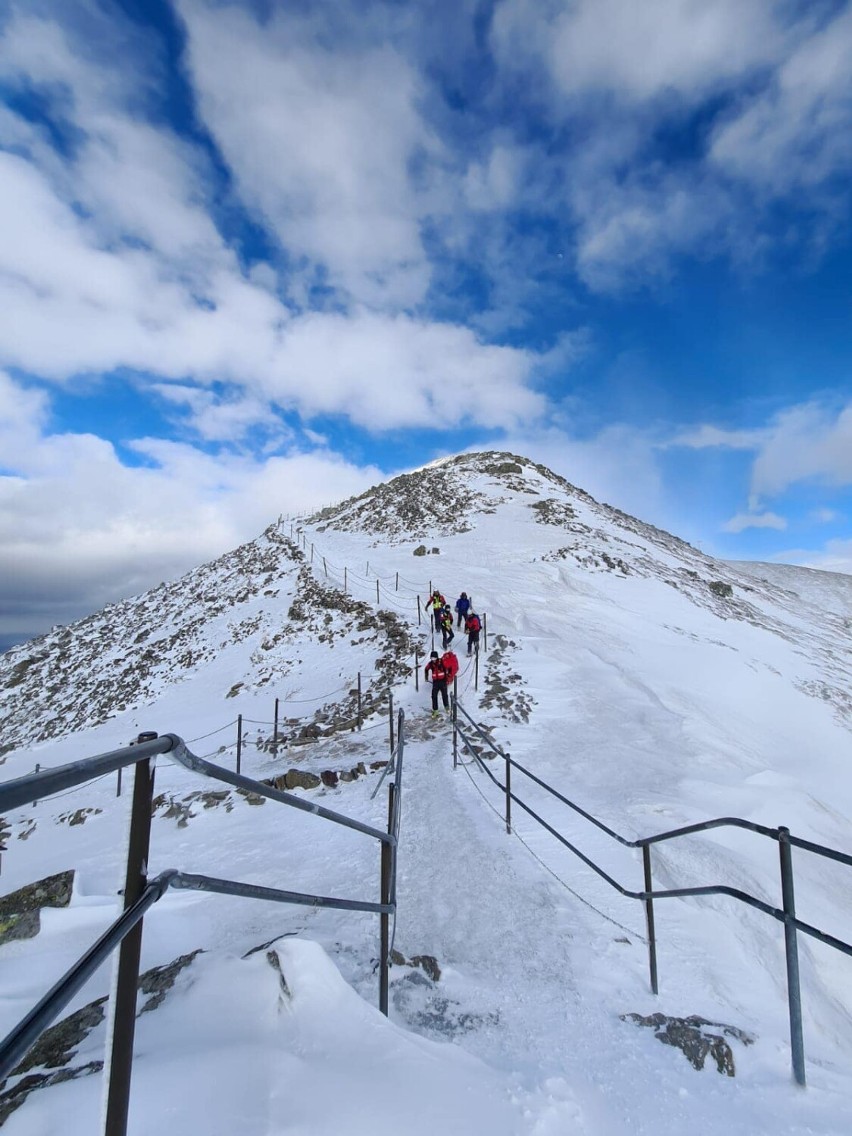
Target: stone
(692,1035)
(420,550)
(329,778)
(19,911)
(299,779)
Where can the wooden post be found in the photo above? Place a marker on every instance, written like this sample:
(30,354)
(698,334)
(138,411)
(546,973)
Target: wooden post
(359,700)
(239,740)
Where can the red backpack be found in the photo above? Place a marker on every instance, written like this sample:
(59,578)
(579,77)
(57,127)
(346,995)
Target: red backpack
(473,623)
(450,664)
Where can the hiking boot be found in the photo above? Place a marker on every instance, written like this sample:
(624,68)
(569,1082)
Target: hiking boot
(434,713)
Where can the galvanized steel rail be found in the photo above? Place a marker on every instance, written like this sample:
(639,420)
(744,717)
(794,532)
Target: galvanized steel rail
(140,893)
(785,914)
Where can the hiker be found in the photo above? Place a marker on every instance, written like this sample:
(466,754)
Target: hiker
(436,671)
(446,627)
(472,626)
(462,608)
(450,664)
(436,602)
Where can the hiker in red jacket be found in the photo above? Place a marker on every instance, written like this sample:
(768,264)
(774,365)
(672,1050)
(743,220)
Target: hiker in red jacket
(451,665)
(472,626)
(437,672)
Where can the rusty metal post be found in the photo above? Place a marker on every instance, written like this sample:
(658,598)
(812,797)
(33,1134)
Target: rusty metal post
(239,740)
(124,1000)
(649,918)
(508,793)
(384,918)
(390,717)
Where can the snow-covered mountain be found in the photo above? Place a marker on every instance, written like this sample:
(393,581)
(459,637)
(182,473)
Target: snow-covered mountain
(648,682)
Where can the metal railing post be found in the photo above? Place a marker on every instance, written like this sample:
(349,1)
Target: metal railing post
(275,725)
(377,591)
(384,918)
(455,723)
(485,631)
(397,582)
(418,611)
(649,918)
(794,995)
(345,585)
(476,671)
(508,794)
(239,740)
(416,669)
(359,700)
(124,1000)
(390,718)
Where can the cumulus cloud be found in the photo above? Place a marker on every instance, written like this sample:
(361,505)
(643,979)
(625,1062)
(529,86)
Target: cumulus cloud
(743,521)
(79,526)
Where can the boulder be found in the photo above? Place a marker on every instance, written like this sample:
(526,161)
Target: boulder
(695,1037)
(19,911)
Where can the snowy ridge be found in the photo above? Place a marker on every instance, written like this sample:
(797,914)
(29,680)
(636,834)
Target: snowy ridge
(648,682)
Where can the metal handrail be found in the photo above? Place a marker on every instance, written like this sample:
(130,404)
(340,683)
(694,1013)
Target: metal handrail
(140,893)
(785,915)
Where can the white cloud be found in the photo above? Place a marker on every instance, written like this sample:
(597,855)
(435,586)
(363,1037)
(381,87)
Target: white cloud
(743,521)
(320,141)
(641,50)
(808,442)
(79,527)
(707,436)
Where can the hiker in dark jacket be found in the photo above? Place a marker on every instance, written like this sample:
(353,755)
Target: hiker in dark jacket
(435,604)
(462,608)
(447,627)
(472,626)
(437,672)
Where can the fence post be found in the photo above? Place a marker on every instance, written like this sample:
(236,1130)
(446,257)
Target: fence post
(118,784)
(324,567)
(38,770)
(455,722)
(345,585)
(485,631)
(390,717)
(312,552)
(508,794)
(384,918)
(239,740)
(359,700)
(397,583)
(124,1001)
(377,590)
(368,568)
(794,996)
(416,669)
(649,917)
(476,670)
(418,610)
(275,725)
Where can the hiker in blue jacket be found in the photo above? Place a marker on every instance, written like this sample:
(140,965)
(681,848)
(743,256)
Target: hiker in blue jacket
(462,608)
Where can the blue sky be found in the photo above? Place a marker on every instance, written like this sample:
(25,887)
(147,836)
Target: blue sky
(257,256)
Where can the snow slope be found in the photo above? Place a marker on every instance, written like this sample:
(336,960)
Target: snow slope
(649,683)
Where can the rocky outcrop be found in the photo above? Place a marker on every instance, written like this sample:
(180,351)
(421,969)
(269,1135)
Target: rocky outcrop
(19,911)
(697,1037)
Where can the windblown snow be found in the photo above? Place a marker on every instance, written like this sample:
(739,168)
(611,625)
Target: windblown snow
(652,685)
